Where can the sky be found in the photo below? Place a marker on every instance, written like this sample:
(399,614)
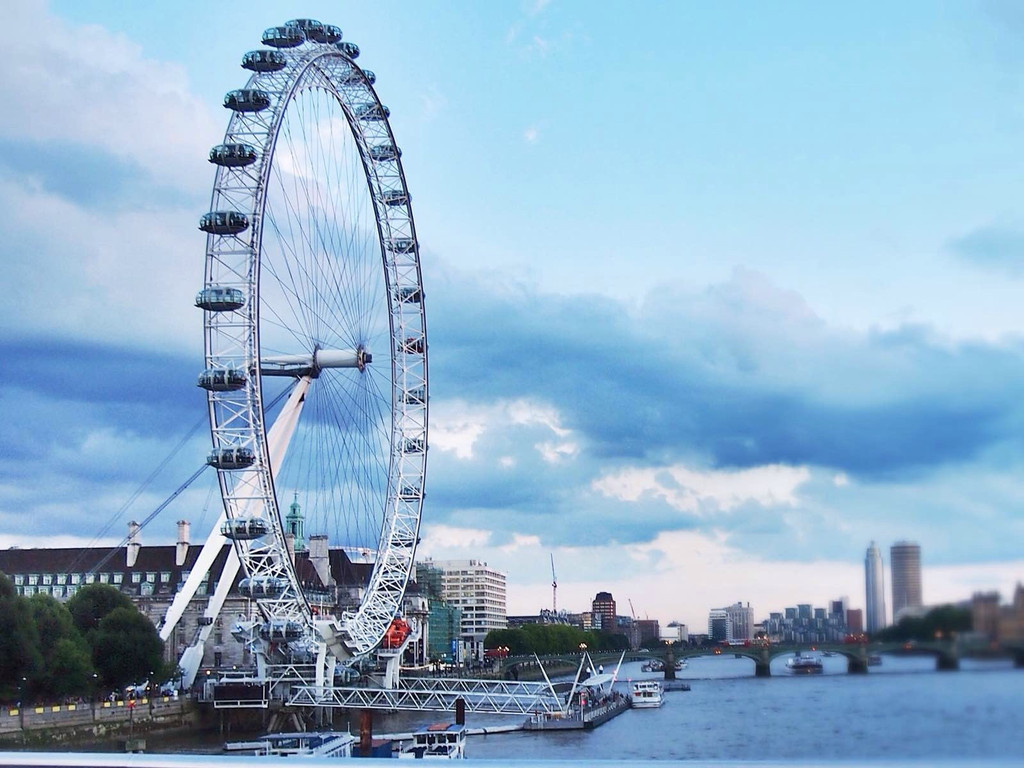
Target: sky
(717,294)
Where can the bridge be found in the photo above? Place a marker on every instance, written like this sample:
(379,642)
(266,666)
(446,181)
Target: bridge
(947,654)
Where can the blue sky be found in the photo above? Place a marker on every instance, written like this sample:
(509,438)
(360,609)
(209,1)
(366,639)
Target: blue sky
(717,294)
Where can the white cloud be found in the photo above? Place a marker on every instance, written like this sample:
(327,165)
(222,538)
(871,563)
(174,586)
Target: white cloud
(531,134)
(439,539)
(457,426)
(689,490)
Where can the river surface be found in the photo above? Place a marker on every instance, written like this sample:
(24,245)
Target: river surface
(901,710)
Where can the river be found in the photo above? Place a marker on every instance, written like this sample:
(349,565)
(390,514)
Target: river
(901,710)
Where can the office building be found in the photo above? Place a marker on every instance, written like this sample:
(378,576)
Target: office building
(741,619)
(874,583)
(478,591)
(905,566)
(602,611)
(719,625)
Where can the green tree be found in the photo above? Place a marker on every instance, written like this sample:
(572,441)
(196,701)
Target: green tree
(67,664)
(127,649)
(90,604)
(19,643)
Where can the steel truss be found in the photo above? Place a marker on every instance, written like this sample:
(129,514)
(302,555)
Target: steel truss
(504,697)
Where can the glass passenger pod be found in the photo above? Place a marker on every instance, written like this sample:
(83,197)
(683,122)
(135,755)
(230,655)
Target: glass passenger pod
(414,345)
(264,61)
(223,222)
(410,294)
(410,493)
(231,458)
(349,49)
(414,445)
(281,630)
(214,298)
(394,197)
(372,112)
(244,528)
(402,245)
(383,153)
(262,586)
(416,396)
(222,379)
(233,155)
(247,100)
(284,37)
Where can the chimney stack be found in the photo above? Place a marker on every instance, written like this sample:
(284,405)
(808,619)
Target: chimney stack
(319,558)
(134,545)
(181,551)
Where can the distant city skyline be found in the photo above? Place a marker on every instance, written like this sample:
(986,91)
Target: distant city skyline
(711,304)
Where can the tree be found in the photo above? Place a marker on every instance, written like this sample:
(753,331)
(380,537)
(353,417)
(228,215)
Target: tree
(126,648)
(19,643)
(90,604)
(67,665)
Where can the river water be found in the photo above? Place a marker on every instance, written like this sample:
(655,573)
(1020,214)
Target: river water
(901,710)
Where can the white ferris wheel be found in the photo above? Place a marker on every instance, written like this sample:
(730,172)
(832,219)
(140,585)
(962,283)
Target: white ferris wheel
(315,338)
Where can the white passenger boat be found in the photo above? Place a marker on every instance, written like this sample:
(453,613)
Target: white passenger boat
(647,694)
(441,741)
(805,664)
(312,744)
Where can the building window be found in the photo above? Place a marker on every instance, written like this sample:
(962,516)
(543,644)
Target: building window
(62,578)
(33,578)
(76,578)
(90,578)
(47,578)
(165,576)
(151,577)
(136,578)
(19,579)
(118,578)
(104,578)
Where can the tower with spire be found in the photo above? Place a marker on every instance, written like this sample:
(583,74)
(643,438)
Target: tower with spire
(293,523)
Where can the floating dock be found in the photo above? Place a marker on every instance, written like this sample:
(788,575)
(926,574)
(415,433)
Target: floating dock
(579,719)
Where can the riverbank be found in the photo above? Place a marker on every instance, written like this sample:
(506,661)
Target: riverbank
(54,725)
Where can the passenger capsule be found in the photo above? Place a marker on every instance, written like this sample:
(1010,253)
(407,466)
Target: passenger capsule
(281,631)
(326,34)
(415,396)
(262,586)
(231,458)
(410,493)
(244,528)
(247,100)
(401,245)
(349,49)
(383,153)
(283,37)
(223,222)
(264,61)
(233,155)
(394,197)
(414,345)
(372,112)
(414,445)
(214,298)
(222,379)
(356,76)
(409,294)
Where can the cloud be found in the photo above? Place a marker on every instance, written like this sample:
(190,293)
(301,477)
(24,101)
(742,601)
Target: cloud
(995,247)
(531,135)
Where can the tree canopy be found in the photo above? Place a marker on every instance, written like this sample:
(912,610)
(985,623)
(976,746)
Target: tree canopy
(544,639)
(939,622)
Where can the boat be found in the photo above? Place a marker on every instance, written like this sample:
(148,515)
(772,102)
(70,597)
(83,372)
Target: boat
(646,694)
(440,741)
(805,664)
(680,665)
(874,660)
(312,744)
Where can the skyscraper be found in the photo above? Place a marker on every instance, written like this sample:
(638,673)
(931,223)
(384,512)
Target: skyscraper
(905,564)
(874,578)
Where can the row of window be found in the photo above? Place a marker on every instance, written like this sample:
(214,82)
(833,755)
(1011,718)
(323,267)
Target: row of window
(50,579)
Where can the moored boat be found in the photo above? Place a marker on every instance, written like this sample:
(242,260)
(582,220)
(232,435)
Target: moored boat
(441,741)
(646,694)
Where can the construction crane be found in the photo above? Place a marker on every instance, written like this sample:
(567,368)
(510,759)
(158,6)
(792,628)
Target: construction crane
(632,610)
(554,587)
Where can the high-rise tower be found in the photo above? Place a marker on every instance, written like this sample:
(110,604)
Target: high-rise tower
(874,579)
(905,564)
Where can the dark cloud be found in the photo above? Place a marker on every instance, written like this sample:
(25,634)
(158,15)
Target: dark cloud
(89,177)
(993,247)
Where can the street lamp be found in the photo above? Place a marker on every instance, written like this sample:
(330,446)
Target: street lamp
(583,648)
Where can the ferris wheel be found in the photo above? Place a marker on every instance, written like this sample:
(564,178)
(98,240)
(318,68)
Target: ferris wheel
(315,336)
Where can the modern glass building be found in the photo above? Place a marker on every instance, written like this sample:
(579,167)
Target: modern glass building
(905,564)
(874,577)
